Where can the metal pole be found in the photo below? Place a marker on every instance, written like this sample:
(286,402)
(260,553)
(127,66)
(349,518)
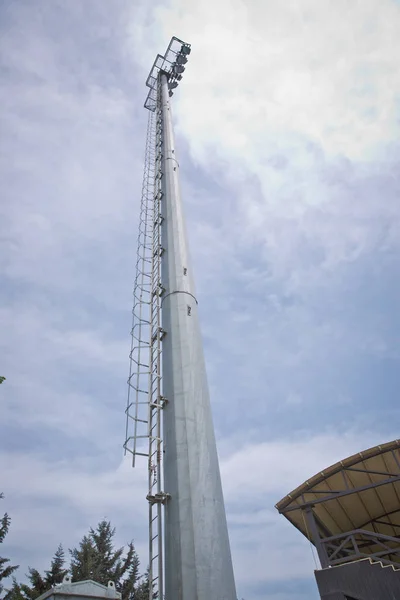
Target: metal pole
(198,564)
(322,555)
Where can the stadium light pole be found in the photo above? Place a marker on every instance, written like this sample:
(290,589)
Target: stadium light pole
(195,561)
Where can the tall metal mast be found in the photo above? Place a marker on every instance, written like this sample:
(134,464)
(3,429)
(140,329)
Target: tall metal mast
(173,411)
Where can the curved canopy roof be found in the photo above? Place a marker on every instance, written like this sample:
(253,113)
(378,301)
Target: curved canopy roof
(360,492)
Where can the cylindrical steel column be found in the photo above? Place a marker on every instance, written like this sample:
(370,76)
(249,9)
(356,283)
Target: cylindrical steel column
(198,564)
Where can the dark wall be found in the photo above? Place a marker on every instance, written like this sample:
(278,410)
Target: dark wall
(359,580)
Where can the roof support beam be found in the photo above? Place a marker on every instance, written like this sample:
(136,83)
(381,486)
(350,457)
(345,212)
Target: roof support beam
(322,553)
(339,494)
(370,472)
(343,548)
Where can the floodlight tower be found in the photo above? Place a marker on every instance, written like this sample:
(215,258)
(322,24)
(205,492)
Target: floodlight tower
(168,412)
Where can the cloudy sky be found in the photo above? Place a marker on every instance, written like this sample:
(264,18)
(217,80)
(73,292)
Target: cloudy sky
(287,127)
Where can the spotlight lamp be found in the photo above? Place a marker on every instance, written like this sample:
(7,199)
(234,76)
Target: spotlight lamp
(172,65)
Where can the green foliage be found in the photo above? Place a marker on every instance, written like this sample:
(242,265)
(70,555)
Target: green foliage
(94,558)
(38,584)
(57,571)
(97,559)
(5,569)
(143,590)
(129,575)
(15,593)
(83,560)
(19,591)
(2,379)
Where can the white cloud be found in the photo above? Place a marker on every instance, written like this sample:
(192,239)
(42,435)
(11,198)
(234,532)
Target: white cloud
(277,467)
(65,497)
(255,476)
(291,190)
(261,71)
(52,365)
(289,96)
(70,189)
(75,483)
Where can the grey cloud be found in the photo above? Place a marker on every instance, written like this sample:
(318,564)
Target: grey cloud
(295,252)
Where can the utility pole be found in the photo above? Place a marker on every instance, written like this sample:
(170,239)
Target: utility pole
(168,404)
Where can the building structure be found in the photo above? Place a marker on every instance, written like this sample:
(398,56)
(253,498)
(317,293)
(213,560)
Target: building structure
(350,512)
(81,590)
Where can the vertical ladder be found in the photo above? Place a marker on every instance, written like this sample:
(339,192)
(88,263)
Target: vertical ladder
(145,401)
(138,392)
(156,497)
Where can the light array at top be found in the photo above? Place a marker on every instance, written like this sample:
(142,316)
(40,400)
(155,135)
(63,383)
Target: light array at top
(172,64)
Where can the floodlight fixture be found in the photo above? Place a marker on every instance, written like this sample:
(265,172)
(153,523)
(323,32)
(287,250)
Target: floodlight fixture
(171,63)
(178,69)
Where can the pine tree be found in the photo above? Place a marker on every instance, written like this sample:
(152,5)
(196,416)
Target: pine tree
(97,559)
(143,590)
(21,591)
(56,572)
(83,560)
(15,593)
(130,576)
(5,570)
(38,584)
(108,563)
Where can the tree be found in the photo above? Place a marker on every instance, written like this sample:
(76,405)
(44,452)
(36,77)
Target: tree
(130,577)
(108,565)
(20,591)
(38,584)
(5,570)
(57,571)
(2,379)
(94,558)
(15,593)
(143,590)
(83,560)
(97,559)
